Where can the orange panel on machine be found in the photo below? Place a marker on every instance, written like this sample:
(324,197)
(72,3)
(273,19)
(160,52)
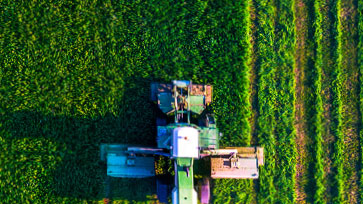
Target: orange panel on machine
(200,90)
(221,167)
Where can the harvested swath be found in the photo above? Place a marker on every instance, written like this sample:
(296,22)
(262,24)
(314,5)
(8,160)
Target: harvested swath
(266,94)
(317,188)
(336,114)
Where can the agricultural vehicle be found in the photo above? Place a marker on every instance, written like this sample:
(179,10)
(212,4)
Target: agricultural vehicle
(183,141)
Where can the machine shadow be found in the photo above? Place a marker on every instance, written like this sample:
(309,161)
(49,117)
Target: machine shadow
(79,173)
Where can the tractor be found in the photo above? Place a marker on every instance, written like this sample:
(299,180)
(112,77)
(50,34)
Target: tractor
(186,132)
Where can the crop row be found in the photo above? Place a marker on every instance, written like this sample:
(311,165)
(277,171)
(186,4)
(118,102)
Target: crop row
(315,106)
(266,94)
(360,64)
(336,114)
(232,93)
(285,102)
(276,99)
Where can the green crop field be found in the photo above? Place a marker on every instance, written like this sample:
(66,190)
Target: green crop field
(287,75)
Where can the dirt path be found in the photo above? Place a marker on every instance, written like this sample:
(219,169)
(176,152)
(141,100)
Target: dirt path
(300,123)
(350,97)
(327,78)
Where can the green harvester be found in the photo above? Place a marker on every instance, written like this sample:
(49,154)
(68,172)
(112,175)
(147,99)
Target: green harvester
(191,134)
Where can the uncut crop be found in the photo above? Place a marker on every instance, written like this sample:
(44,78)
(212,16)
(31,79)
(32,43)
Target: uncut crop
(75,74)
(235,125)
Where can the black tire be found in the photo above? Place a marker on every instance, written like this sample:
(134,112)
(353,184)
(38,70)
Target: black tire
(160,121)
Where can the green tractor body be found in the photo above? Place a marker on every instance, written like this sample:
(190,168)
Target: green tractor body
(183,141)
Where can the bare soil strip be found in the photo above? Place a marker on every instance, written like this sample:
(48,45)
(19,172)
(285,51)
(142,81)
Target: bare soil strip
(350,99)
(300,123)
(328,68)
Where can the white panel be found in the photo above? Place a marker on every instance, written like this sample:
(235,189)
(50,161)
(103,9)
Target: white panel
(185,142)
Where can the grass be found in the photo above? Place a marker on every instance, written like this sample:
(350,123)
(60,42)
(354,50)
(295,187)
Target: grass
(285,102)
(360,64)
(266,94)
(74,74)
(234,97)
(276,98)
(336,126)
(350,96)
(77,74)
(315,187)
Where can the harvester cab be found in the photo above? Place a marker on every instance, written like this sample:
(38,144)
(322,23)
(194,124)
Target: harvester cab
(183,141)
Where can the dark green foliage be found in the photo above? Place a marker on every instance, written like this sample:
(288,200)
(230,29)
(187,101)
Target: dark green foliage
(232,100)
(267,93)
(336,126)
(315,105)
(75,74)
(276,96)
(285,102)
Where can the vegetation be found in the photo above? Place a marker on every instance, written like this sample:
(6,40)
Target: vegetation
(276,97)
(336,126)
(285,102)
(74,74)
(233,106)
(315,107)
(360,64)
(266,98)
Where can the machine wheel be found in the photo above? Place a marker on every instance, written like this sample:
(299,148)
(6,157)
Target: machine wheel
(107,190)
(160,121)
(162,188)
(205,191)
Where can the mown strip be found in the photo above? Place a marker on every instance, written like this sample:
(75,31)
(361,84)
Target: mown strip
(285,103)
(360,64)
(232,93)
(266,95)
(336,112)
(315,106)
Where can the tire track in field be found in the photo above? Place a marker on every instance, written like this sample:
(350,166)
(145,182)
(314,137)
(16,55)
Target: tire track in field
(328,68)
(300,121)
(350,100)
